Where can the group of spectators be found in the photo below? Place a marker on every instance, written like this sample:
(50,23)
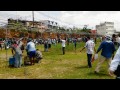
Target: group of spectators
(18,48)
(108,46)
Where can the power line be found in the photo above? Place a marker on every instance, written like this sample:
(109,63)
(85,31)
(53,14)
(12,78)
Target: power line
(48,17)
(58,19)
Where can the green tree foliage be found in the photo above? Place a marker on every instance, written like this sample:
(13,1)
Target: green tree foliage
(17,26)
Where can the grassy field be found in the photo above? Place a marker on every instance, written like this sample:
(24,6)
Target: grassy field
(54,65)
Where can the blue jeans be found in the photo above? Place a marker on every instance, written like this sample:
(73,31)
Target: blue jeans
(18,60)
(89,58)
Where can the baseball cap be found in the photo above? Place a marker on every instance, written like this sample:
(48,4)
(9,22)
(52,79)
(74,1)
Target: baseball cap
(108,37)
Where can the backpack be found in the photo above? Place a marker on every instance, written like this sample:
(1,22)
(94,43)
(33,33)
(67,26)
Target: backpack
(11,61)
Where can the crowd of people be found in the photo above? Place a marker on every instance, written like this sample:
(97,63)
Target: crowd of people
(33,55)
(18,47)
(108,46)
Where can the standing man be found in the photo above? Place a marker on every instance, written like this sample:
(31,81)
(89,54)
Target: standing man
(21,44)
(95,38)
(49,43)
(1,45)
(68,41)
(17,53)
(45,45)
(75,42)
(63,45)
(90,46)
(108,49)
(31,50)
(115,63)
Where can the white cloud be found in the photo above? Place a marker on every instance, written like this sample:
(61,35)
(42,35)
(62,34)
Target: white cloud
(90,18)
(70,18)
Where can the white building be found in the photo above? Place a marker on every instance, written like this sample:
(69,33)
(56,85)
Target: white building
(50,24)
(105,28)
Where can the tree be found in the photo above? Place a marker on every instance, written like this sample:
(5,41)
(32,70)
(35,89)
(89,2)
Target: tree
(17,26)
(86,30)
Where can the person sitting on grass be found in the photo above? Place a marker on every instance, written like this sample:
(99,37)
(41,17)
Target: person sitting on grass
(38,56)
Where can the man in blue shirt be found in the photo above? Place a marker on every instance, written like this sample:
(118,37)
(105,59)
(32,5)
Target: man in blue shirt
(108,49)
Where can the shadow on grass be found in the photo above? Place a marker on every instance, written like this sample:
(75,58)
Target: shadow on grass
(22,66)
(81,67)
(98,74)
(61,54)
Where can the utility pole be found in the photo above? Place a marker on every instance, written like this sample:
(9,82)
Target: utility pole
(16,17)
(33,17)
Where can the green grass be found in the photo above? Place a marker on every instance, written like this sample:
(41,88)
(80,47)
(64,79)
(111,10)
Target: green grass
(54,65)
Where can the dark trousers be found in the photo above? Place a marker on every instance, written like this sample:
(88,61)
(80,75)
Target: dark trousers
(63,49)
(89,58)
(49,45)
(75,45)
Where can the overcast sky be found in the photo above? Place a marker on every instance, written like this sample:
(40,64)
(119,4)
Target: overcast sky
(69,18)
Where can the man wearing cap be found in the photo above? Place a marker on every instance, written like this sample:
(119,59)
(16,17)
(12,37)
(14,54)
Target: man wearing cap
(108,48)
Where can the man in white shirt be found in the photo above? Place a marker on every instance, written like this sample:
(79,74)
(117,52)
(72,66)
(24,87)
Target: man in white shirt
(63,45)
(31,51)
(114,64)
(90,46)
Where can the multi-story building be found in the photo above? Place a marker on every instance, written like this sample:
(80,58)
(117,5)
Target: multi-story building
(41,25)
(50,25)
(105,28)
